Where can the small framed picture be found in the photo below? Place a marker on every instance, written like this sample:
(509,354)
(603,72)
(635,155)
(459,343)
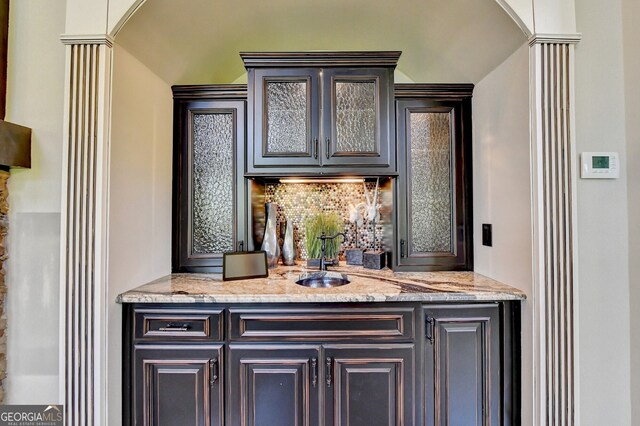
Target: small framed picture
(244,265)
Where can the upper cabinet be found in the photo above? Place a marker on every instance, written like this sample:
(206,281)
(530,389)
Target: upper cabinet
(208,183)
(321,113)
(433,190)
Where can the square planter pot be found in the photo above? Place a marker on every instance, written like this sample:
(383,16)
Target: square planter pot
(354,256)
(374,259)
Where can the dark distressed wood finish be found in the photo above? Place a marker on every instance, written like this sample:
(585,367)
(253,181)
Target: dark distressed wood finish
(188,101)
(456,100)
(369,385)
(321,70)
(463,365)
(321,324)
(273,385)
(186,325)
(178,385)
(461,368)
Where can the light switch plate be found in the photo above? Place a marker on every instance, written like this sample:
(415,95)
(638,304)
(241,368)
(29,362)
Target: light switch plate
(599,165)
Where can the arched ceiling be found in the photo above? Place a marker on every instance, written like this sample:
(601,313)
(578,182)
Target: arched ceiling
(197,41)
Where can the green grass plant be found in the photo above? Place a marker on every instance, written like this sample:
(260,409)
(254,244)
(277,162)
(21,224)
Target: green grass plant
(330,223)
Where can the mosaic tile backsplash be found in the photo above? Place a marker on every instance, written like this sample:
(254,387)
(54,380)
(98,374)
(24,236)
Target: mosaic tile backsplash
(297,201)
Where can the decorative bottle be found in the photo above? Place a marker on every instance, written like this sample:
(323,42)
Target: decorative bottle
(270,241)
(289,247)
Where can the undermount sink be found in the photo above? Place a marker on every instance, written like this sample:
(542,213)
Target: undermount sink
(323,280)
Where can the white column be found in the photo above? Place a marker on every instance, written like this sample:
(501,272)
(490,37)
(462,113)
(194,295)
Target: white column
(554,174)
(84,226)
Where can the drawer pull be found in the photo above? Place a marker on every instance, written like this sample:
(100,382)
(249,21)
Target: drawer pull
(429,329)
(172,326)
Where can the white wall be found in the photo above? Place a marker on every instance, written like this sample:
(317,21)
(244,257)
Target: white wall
(35,99)
(502,190)
(631,37)
(140,197)
(603,278)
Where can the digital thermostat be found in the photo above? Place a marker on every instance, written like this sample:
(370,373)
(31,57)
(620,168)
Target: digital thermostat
(600,165)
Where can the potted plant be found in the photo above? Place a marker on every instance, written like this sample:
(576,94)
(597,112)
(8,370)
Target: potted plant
(328,223)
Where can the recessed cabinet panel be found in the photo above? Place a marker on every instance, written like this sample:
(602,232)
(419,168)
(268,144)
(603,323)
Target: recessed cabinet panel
(274,385)
(463,366)
(178,386)
(369,385)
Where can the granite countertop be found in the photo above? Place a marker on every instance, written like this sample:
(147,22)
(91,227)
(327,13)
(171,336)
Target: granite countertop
(366,286)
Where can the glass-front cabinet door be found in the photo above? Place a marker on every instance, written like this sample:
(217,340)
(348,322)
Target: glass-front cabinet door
(357,122)
(208,185)
(434,190)
(286,120)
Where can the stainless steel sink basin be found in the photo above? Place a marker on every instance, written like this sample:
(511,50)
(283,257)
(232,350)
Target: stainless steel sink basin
(323,280)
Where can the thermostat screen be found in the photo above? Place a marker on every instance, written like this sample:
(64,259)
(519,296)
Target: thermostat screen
(600,161)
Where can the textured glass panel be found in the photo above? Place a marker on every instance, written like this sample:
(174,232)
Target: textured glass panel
(430,182)
(212,184)
(287,117)
(356,116)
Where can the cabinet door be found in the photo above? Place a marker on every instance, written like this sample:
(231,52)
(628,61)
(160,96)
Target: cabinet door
(178,386)
(285,117)
(358,124)
(463,365)
(434,186)
(273,385)
(369,385)
(209,184)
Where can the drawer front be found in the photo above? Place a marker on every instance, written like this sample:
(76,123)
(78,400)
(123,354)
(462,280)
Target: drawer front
(321,324)
(178,325)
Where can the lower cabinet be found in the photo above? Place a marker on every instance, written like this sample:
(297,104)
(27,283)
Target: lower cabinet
(369,385)
(463,365)
(273,385)
(368,364)
(366,385)
(178,385)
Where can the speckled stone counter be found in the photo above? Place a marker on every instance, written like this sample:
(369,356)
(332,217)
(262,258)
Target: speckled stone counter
(366,286)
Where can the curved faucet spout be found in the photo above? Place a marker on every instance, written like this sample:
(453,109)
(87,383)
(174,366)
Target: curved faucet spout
(324,238)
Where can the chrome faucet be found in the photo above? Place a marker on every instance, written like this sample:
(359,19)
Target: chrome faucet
(324,238)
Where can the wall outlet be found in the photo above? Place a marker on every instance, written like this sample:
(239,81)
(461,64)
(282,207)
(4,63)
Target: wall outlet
(487,235)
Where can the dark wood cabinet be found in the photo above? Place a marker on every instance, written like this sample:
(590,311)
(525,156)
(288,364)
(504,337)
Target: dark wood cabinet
(369,385)
(321,113)
(322,364)
(178,385)
(433,191)
(464,366)
(274,385)
(209,189)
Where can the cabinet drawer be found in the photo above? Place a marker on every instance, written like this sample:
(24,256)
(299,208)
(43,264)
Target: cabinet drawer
(320,324)
(178,325)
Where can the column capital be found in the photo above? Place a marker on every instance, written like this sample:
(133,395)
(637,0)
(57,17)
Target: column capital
(539,38)
(104,39)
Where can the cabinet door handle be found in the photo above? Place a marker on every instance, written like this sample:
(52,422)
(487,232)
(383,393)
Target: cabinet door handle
(429,323)
(241,246)
(329,363)
(328,147)
(314,372)
(315,144)
(213,371)
(401,248)
(172,326)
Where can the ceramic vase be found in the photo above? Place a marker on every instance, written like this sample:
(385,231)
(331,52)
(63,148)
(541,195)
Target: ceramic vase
(289,247)
(270,241)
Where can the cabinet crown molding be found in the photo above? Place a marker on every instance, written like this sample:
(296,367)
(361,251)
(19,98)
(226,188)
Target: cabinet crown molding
(314,59)
(210,91)
(433,90)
